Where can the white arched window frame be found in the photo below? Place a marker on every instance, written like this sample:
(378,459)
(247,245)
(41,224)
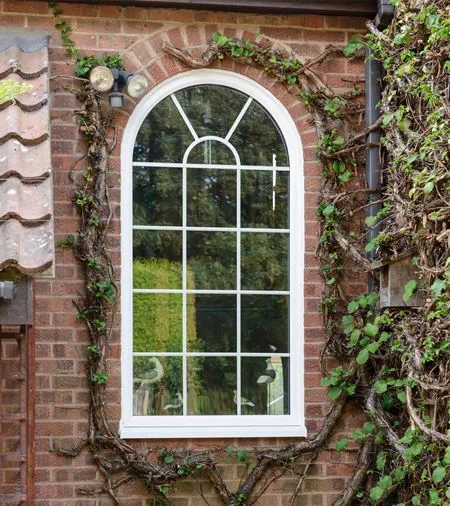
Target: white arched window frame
(239,425)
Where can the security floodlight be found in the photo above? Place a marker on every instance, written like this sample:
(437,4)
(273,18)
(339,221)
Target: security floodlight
(101,78)
(136,85)
(104,79)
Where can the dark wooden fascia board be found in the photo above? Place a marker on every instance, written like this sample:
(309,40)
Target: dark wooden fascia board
(363,8)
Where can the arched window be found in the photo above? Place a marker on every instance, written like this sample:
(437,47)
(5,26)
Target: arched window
(212,262)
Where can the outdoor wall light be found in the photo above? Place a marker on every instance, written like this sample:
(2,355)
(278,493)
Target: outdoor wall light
(104,79)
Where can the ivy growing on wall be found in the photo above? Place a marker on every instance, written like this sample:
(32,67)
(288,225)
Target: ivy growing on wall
(394,364)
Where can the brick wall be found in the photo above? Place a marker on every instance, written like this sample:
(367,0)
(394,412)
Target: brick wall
(62,396)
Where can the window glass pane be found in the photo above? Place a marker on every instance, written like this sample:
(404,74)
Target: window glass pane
(157,259)
(211,323)
(264,323)
(157,322)
(211,198)
(257,138)
(211,109)
(212,152)
(260,207)
(264,261)
(157,196)
(211,385)
(163,136)
(211,259)
(265,384)
(157,386)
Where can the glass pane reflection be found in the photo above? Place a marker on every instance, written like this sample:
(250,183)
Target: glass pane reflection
(157,386)
(211,259)
(211,198)
(211,385)
(157,322)
(212,152)
(163,136)
(260,207)
(157,259)
(264,261)
(264,323)
(211,109)
(257,138)
(214,323)
(157,196)
(265,383)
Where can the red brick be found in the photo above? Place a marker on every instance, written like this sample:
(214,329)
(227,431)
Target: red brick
(27,6)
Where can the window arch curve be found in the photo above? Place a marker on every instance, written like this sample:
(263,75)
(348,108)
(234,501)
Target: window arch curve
(212,262)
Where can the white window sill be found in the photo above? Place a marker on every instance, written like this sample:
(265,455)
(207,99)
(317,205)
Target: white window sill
(158,432)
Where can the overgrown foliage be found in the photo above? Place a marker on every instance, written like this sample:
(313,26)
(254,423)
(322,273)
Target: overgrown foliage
(393,364)
(10,90)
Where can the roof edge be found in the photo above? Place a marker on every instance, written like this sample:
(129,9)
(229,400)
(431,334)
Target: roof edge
(25,39)
(359,8)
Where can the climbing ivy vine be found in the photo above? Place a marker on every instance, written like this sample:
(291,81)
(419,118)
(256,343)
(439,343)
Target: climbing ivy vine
(393,364)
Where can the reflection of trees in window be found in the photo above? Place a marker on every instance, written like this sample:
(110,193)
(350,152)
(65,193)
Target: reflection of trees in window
(211,109)
(257,138)
(157,196)
(209,262)
(163,136)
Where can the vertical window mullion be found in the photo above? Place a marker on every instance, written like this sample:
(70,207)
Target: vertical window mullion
(238,288)
(184,315)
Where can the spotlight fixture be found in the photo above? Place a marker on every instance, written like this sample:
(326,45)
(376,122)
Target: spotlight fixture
(104,79)
(101,78)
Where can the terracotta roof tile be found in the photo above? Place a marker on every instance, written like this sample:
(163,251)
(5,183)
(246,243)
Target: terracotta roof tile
(25,201)
(24,161)
(35,98)
(26,207)
(29,248)
(26,65)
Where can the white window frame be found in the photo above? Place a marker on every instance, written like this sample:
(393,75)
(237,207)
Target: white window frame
(222,426)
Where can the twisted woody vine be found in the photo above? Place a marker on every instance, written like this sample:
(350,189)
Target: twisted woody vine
(393,364)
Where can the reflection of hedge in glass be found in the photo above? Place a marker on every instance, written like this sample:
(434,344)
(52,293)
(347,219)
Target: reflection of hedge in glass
(157,322)
(157,318)
(164,250)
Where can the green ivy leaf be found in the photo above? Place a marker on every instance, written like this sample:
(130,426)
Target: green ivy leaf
(370,221)
(409,290)
(376,493)
(381,460)
(381,386)
(437,287)
(354,45)
(371,329)
(387,118)
(363,357)
(401,396)
(353,306)
(342,444)
(385,482)
(429,187)
(334,393)
(438,474)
